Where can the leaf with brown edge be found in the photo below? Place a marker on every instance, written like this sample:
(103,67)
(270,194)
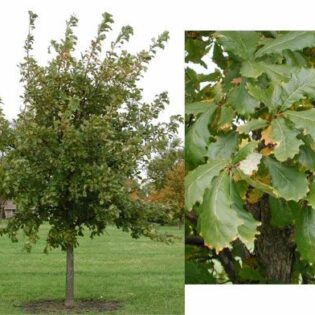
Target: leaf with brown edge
(218,221)
(222,218)
(199,179)
(285,137)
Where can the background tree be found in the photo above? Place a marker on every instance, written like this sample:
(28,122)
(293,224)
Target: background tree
(250,153)
(5,145)
(83,133)
(164,161)
(166,173)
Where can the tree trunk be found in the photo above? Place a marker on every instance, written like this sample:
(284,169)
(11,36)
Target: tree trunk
(274,248)
(69,301)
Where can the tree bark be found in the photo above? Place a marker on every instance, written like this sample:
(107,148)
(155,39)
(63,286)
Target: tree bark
(274,248)
(69,301)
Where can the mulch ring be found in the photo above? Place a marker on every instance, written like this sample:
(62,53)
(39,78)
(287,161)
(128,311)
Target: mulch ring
(81,306)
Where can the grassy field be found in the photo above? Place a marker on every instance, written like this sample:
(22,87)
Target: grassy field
(146,277)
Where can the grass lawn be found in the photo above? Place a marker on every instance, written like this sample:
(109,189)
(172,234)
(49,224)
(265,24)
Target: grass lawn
(147,277)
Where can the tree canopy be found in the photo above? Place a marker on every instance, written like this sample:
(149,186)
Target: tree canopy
(83,134)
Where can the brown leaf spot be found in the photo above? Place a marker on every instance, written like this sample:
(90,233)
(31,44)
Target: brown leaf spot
(236,81)
(253,196)
(266,136)
(267,150)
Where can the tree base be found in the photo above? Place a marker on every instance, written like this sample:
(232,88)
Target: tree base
(80,307)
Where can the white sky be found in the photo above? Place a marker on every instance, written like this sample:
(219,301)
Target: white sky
(165,72)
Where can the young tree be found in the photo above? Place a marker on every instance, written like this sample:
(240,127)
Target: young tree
(83,133)
(250,154)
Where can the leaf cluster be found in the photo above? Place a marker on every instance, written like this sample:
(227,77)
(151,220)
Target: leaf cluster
(250,132)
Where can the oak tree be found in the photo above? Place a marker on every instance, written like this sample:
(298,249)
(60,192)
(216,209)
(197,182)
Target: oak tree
(83,133)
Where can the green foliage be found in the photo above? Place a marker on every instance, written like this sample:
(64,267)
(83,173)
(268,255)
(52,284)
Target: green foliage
(165,183)
(252,125)
(305,233)
(242,101)
(83,135)
(282,212)
(163,162)
(291,41)
(260,132)
(304,120)
(287,144)
(199,179)
(223,147)
(197,138)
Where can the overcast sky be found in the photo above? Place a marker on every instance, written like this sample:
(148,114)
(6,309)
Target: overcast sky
(148,19)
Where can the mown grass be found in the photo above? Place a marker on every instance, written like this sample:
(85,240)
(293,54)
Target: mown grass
(147,277)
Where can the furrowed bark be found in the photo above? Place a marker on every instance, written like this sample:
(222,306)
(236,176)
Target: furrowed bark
(69,300)
(274,248)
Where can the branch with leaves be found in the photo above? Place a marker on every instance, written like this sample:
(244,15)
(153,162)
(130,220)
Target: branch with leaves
(250,134)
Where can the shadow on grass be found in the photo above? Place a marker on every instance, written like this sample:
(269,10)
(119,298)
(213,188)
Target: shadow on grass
(81,306)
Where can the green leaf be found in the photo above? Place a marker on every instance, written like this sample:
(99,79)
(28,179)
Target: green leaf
(249,274)
(218,56)
(242,44)
(244,152)
(197,138)
(288,181)
(291,40)
(295,58)
(248,230)
(223,148)
(281,213)
(218,220)
(305,233)
(199,179)
(211,77)
(307,157)
(276,73)
(311,195)
(265,96)
(242,102)
(226,117)
(304,120)
(287,144)
(251,69)
(251,125)
(197,273)
(257,184)
(302,83)
(196,48)
(198,107)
